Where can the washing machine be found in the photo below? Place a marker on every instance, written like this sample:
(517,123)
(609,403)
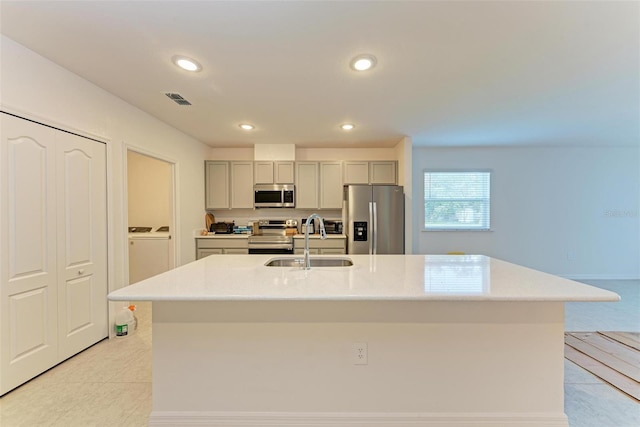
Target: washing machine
(149,252)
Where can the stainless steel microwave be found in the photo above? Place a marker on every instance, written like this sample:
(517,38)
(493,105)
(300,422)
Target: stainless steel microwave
(274,196)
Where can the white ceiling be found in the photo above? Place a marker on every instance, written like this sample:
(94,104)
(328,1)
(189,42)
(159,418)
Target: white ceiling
(449,73)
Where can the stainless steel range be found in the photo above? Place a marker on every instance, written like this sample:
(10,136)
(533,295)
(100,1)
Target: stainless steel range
(269,236)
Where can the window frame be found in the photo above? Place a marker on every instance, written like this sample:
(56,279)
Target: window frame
(488,200)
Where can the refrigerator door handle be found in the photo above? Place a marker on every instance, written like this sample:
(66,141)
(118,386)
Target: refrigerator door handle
(375,228)
(372,228)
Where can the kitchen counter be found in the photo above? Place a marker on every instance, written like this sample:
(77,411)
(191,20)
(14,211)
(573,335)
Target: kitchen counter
(244,236)
(394,340)
(223,236)
(317,236)
(380,277)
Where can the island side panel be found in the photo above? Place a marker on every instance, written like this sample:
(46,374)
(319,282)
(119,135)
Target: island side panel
(461,361)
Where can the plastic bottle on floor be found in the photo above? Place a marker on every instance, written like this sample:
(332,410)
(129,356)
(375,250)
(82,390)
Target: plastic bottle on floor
(133,325)
(124,318)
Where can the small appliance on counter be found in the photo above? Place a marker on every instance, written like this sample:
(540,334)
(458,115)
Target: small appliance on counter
(311,226)
(333,227)
(291,227)
(222,227)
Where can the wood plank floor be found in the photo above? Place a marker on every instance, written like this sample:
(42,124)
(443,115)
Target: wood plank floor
(612,356)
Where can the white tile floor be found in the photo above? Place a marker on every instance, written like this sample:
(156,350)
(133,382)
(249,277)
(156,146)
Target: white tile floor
(109,384)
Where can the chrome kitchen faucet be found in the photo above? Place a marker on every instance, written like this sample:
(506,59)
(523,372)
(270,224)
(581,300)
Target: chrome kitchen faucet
(323,235)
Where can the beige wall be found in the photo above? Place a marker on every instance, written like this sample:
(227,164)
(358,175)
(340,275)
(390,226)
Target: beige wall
(36,88)
(149,192)
(313,154)
(570,211)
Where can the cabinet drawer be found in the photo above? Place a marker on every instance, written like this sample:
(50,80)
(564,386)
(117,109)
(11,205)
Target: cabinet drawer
(300,251)
(236,251)
(222,243)
(332,251)
(319,243)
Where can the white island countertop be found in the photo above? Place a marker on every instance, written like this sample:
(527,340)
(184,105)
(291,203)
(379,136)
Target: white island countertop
(371,278)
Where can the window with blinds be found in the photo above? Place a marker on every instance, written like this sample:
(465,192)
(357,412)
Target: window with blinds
(457,200)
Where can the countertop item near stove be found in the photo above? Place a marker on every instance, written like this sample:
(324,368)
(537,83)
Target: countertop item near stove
(209,219)
(222,227)
(312,226)
(333,226)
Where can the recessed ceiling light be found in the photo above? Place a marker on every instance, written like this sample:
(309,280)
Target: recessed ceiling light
(186,63)
(363,62)
(246,126)
(347,126)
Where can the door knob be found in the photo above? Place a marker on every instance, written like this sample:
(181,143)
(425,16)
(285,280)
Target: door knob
(81,271)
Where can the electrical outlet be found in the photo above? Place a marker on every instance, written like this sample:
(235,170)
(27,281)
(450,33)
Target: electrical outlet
(359,353)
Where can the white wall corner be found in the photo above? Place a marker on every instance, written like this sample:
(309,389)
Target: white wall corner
(404,154)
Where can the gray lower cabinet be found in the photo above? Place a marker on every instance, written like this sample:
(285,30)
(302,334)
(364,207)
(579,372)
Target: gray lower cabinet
(221,246)
(330,246)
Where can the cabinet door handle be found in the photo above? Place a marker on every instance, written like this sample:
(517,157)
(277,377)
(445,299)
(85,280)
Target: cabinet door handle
(131,243)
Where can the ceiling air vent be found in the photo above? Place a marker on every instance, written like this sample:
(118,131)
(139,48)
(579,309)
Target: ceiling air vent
(177,98)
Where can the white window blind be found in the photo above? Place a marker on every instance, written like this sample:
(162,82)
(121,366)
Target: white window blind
(457,200)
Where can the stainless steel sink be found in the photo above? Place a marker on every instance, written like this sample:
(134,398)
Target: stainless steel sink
(315,262)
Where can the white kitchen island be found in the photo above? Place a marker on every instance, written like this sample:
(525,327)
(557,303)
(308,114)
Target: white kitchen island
(394,340)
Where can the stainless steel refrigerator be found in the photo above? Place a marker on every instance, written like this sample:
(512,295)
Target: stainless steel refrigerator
(374,219)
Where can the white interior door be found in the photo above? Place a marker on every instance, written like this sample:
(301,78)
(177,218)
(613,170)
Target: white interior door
(28,289)
(82,243)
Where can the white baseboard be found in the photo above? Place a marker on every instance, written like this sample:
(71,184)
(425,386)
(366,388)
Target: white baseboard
(311,419)
(599,277)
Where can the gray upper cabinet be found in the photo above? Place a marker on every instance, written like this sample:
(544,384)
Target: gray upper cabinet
(319,185)
(356,172)
(242,185)
(330,185)
(263,172)
(383,172)
(370,172)
(284,172)
(307,185)
(269,172)
(216,175)
(228,185)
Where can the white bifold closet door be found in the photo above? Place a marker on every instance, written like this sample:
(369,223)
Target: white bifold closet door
(54,243)
(82,243)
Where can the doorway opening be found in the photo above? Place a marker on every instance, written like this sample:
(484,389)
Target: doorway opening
(151,214)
